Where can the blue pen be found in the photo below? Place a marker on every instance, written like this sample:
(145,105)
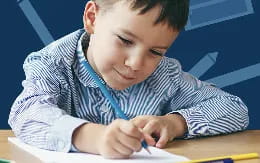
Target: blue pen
(227,160)
(116,107)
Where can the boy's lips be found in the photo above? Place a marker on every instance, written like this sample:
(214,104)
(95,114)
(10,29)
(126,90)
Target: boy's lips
(127,77)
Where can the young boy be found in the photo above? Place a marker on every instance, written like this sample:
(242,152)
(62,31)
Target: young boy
(62,109)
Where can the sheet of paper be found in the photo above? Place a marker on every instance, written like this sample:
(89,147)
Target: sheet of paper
(158,155)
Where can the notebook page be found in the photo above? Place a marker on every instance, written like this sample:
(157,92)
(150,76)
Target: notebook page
(158,155)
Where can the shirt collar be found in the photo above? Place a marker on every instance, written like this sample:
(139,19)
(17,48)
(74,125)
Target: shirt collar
(81,71)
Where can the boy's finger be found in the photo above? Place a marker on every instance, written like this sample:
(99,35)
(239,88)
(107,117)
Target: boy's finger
(122,149)
(116,155)
(131,130)
(151,127)
(149,139)
(163,139)
(129,141)
(140,121)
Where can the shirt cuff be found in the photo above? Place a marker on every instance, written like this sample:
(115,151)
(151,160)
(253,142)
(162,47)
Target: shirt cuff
(60,136)
(73,148)
(196,122)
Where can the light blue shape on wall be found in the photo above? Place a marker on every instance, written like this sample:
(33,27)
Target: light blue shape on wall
(36,21)
(236,76)
(206,12)
(204,64)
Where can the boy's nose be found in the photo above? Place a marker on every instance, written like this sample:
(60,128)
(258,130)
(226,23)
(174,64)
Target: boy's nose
(135,61)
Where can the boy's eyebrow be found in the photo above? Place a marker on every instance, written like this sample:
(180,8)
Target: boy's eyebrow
(136,37)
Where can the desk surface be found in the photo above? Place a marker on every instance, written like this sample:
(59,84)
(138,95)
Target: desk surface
(236,143)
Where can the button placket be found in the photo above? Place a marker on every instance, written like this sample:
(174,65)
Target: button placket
(104,108)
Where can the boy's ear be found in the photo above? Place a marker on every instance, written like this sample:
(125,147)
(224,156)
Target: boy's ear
(89,16)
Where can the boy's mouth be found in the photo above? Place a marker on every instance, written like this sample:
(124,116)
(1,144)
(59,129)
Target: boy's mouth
(127,77)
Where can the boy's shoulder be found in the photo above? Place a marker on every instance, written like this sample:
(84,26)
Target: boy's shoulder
(169,67)
(171,63)
(167,74)
(61,49)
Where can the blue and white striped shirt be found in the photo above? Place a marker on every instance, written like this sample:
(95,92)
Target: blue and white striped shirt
(59,95)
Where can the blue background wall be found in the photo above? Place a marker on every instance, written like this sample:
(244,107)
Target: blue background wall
(230,28)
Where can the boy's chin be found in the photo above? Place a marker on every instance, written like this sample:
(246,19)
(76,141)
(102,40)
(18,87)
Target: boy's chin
(118,87)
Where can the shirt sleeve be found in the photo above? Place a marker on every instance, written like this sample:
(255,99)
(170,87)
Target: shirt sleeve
(35,116)
(207,109)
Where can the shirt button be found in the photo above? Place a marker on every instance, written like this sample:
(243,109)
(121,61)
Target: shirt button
(104,108)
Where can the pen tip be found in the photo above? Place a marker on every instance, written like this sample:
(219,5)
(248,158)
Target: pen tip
(148,151)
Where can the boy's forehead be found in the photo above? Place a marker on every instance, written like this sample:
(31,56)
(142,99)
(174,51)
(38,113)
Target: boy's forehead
(123,3)
(107,5)
(121,18)
(157,36)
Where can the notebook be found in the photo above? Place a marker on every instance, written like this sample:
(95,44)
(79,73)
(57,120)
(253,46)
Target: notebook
(158,155)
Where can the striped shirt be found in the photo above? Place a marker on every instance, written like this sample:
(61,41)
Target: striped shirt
(59,95)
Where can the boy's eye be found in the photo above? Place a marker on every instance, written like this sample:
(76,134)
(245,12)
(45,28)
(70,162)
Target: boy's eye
(156,52)
(125,41)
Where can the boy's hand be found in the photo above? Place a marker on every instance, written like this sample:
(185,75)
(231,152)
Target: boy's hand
(120,139)
(165,127)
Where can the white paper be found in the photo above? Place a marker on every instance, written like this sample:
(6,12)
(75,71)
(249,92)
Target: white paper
(157,156)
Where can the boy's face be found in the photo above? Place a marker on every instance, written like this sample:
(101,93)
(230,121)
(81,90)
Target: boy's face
(125,47)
